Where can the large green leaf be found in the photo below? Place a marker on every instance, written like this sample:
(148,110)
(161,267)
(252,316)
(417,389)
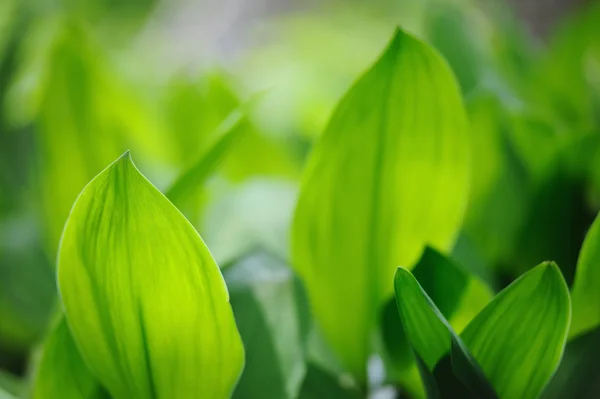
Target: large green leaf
(370,198)
(445,363)
(144,299)
(586,288)
(62,372)
(272,316)
(519,338)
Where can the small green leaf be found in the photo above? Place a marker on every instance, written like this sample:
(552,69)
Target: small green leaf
(586,287)
(458,295)
(519,338)
(144,299)
(370,197)
(445,363)
(62,372)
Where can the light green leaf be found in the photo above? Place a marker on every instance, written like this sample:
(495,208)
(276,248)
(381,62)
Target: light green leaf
(519,338)
(62,372)
(586,287)
(370,198)
(444,361)
(144,299)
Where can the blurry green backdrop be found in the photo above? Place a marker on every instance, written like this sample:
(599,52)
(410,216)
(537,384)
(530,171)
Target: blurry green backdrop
(82,81)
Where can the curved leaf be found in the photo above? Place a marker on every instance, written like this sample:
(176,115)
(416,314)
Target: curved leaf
(457,294)
(586,287)
(370,197)
(62,372)
(519,338)
(144,299)
(447,367)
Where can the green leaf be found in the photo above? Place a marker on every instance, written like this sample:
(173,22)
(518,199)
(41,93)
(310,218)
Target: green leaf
(458,295)
(272,317)
(444,361)
(579,373)
(370,198)
(586,287)
(144,299)
(227,135)
(62,372)
(519,338)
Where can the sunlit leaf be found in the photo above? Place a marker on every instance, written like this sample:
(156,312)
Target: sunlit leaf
(62,372)
(519,338)
(144,299)
(370,198)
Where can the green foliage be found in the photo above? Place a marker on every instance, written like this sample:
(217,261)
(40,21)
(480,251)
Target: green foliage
(458,201)
(359,212)
(516,341)
(62,372)
(127,259)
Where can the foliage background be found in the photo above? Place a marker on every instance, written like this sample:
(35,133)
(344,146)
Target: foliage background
(81,82)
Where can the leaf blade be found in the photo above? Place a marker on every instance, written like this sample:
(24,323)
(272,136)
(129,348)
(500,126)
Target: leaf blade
(519,338)
(363,207)
(128,259)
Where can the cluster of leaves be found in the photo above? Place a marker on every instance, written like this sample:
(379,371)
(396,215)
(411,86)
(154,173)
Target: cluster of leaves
(464,151)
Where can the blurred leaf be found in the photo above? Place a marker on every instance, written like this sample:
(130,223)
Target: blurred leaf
(272,316)
(565,77)
(586,288)
(500,192)
(81,115)
(261,155)
(319,383)
(578,374)
(62,372)
(227,136)
(195,110)
(519,338)
(396,143)
(449,31)
(446,364)
(27,285)
(144,299)
(10,384)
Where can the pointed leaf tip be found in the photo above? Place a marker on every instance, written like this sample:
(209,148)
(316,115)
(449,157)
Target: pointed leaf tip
(363,190)
(519,337)
(144,299)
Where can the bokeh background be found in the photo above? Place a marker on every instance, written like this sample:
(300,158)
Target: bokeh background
(82,81)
